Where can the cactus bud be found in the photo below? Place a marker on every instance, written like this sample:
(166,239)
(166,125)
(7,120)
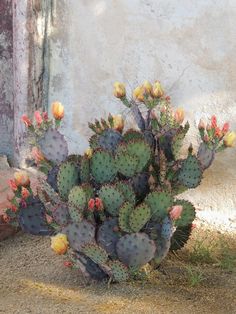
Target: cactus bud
(157,90)
(229,139)
(201,125)
(57,110)
(138,93)
(119,90)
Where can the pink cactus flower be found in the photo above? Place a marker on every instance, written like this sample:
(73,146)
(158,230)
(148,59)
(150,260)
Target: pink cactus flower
(91,204)
(225,128)
(213,122)
(45,116)
(98,203)
(38,117)
(12,185)
(176,212)
(26,120)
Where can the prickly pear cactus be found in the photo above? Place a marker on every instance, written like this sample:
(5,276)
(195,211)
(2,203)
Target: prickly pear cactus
(115,207)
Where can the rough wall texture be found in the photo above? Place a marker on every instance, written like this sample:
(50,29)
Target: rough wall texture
(6,78)
(189,45)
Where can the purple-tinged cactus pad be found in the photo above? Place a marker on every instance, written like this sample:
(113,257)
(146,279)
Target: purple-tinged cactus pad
(61,214)
(136,249)
(107,236)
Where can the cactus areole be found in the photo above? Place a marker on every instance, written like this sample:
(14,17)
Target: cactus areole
(117,204)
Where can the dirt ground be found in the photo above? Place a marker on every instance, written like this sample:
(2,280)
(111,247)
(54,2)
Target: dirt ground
(34,280)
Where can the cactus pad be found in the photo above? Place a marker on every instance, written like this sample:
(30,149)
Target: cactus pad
(103,167)
(141,150)
(119,271)
(61,215)
(127,191)
(75,213)
(159,203)
(163,247)
(167,229)
(52,177)
(180,237)
(97,254)
(139,217)
(124,216)
(107,236)
(79,234)
(54,146)
(188,214)
(112,199)
(109,140)
(190,174)
(67,177)
(49,193)
(140,185)
(177,140)
(136,249)
(32,218)
(205,155)
(77,197)
(84,169)
(132,134)
(126,164)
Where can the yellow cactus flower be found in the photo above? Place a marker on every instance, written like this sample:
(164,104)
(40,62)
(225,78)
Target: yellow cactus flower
(119,90)
(230,139)
(89,152)
(147,87)
(21,178)
(138,93)
(57,110)
(59,243)
(118,122)
(179,115)
(157,90)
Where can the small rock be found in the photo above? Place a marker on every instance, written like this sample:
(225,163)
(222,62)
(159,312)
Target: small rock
(4,165)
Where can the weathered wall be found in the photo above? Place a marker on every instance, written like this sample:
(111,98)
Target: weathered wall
(189,45)
(6,78)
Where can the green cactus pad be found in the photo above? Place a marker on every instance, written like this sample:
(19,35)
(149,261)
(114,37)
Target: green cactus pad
(53,146)
(159,203)
(141,150)
(103,167)
(109,140)
(79,234)
(190,174)
(139,217)
(126,189)
(136,249)
(67,177)
(188,214)
(112,199)
(205,155)
(85,169)
(132,134)
(126,164)
(119,271)
(124,214)
(97,254)
(88,190)
(77,197)
(178,138)
(93,141)
(180,237)
(75,213)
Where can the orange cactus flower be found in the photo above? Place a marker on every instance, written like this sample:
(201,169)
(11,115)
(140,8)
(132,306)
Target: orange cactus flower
(118,122)
(26,120)
(12,185)
(147,86)
(38,117)
(119,90)
(218,132)
(138,93)
(179,115)
(37,155)
(59,243)
(157,90)
(213,122)
(98,203)
(57,110)
(21,178)
(91,204)
(25,193)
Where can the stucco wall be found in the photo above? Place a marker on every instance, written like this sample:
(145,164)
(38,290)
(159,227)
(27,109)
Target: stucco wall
(190,46)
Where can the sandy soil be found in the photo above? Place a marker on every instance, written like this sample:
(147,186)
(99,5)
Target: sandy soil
(34,280)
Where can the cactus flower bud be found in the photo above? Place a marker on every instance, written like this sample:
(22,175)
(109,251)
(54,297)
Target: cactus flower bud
(25,193)
(138,93)
(229,139)
(201,125)
(176,212)
(89,152)
(45,116)
(26,120)
(37,155)
(57,110)
(12,185)
(218,132)
(157,90)
(213,122)
(68,264)
(225,128)
(118,122)
(99,203)
(147,87)
(91,204)
(179,115)
(59,243)
(21,178)
(38,117)
(119,90)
